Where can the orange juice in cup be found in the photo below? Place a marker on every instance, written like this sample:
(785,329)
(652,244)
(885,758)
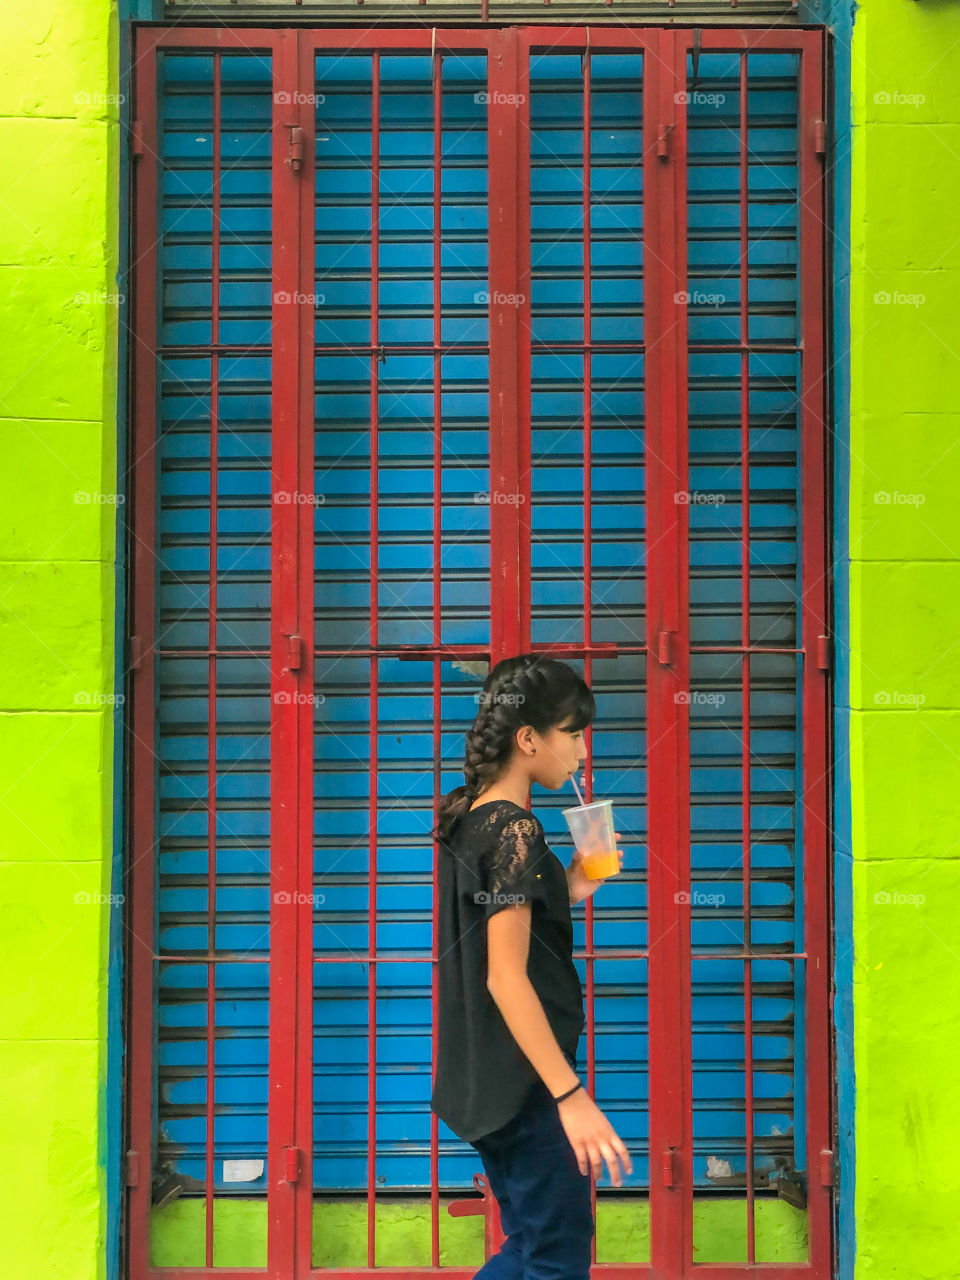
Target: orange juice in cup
(591,826)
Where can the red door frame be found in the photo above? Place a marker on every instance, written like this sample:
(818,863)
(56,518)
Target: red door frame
(293,642)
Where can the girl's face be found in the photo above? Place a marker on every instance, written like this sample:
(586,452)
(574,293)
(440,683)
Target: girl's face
(563,750)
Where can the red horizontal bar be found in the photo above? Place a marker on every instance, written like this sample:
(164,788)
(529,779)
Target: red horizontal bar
(203,1273)
(609,1271)
(744,347)
(211,653)
(206,39)
(414,38)
(736,648)
(355,958)
(749,955)
(215,349)
(759,1271)
(639,38)
(744,38)
(202,957)
(468,348)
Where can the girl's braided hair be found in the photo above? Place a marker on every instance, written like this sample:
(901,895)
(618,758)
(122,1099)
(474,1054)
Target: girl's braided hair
(530,689)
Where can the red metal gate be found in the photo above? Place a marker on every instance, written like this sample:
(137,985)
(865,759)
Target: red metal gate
(296,647)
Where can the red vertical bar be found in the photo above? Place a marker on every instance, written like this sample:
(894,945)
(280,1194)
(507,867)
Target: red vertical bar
(298,50)
(508,184)
(815,689)
(668,681)
(209,1171)
(745,642)
(374,666)
(437,89)
(523,410)
(588,575)
(286,704)
(587,368)
(141,937)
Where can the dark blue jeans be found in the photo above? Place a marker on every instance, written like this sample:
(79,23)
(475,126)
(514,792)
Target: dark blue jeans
(544,1199)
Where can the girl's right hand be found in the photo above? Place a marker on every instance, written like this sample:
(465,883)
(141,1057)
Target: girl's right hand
(592,1136)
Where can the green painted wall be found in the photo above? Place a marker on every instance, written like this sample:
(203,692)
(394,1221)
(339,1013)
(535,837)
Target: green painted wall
(905,628)
(403,1232)
(58,370)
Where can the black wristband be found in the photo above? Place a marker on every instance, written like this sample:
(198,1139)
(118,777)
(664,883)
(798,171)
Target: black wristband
(569,1092)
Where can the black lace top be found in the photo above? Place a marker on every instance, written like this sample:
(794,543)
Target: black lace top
(498,855)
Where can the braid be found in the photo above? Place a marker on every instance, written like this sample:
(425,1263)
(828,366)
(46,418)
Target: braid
(489,741)
(491,732)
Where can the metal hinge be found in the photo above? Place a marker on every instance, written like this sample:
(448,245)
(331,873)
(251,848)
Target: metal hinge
(665,648)
(294,653)
(669,1167)
(291,1164)
(133,1169)
(823,653)
(295,148)
(828,1167)
(820,137)
(663,141)
(136,139)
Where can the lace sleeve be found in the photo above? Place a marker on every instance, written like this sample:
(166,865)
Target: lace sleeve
(517,872)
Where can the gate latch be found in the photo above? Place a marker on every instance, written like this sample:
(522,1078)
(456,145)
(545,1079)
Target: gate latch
(663,142)
(295,148)
(291,1164)
(665,648)
(293,654)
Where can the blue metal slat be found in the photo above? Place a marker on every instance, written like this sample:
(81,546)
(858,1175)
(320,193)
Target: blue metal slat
(243,522)
(716,600)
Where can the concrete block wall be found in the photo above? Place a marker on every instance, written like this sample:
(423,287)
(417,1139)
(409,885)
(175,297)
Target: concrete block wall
(904,611)
(59,206)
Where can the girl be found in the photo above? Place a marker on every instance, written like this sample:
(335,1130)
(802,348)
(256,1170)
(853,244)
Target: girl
(510,1004)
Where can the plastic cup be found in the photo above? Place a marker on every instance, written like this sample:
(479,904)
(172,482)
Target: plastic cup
(591,826)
